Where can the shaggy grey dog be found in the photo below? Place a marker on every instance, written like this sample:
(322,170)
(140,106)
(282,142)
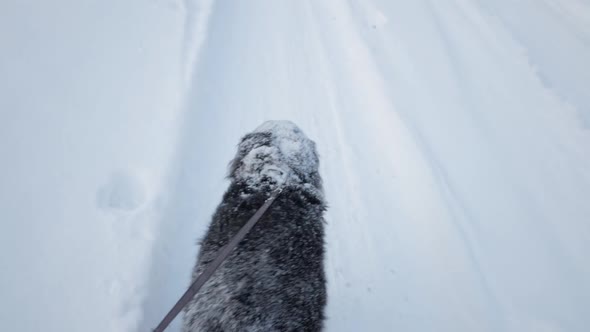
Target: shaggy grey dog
(274,280)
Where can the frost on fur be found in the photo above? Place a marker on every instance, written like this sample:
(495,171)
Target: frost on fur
(276,152)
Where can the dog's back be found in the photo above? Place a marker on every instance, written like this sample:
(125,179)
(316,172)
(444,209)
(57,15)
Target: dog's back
(274,280)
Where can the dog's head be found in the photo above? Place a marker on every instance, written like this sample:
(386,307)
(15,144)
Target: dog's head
(276,153)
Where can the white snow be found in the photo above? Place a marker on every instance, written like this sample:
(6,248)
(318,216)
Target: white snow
(453,136)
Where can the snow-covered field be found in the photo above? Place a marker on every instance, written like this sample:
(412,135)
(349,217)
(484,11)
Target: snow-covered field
(454,136)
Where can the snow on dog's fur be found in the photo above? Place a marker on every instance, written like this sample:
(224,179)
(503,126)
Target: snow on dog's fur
(274,280)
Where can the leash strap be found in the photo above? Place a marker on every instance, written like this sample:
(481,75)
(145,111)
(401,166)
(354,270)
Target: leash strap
(223,254)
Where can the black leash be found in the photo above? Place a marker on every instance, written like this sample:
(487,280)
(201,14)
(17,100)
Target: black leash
(223,253)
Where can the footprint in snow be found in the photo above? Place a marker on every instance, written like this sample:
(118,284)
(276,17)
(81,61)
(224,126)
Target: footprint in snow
(123,191)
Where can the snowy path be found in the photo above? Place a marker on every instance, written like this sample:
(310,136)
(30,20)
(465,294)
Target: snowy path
(454,148)
(438,220)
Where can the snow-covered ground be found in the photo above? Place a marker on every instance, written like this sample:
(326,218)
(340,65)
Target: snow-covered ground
(454,139)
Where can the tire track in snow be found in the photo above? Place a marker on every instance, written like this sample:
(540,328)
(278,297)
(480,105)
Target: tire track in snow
(507,226)
(340,175)
(463,219)
(379,110)
(556,52)
(162,287)
(197,14)
(552,119)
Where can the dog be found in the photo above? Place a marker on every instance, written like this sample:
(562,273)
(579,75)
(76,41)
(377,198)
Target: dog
(274,280)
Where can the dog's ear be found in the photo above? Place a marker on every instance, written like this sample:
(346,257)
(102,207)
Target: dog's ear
(233,166)
(313,198)
(235,163)
(316,180)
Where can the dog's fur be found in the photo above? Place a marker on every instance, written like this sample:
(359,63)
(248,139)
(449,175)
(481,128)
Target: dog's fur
(274,280)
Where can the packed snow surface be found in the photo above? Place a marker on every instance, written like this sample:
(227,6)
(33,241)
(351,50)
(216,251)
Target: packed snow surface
(454,141)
